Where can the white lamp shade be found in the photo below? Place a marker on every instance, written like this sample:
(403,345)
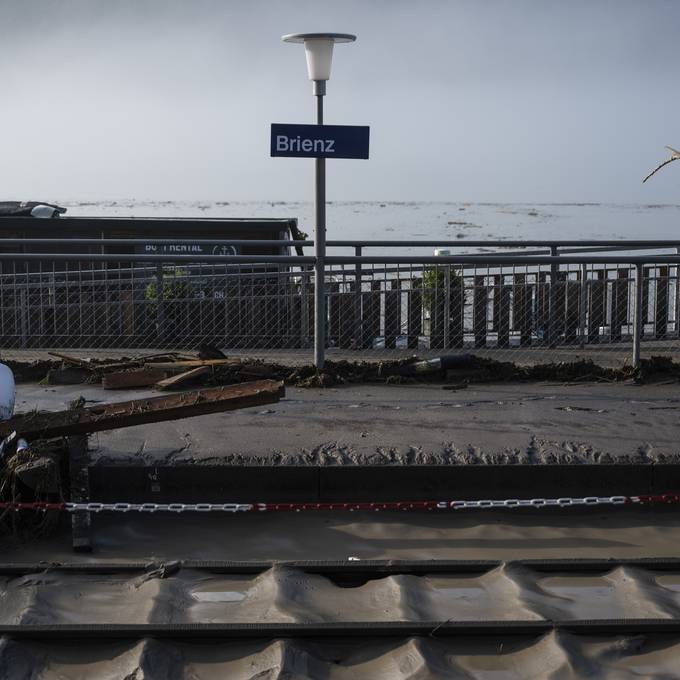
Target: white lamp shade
(319,52)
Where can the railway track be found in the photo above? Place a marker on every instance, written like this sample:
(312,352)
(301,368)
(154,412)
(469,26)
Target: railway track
(340,619)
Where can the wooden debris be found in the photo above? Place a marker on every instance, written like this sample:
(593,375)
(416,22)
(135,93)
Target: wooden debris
(207,351)
(181,366)
(40,472)
(182,378)
(118,366)
(74,361)
(101,417)
(68,375)
(142,377)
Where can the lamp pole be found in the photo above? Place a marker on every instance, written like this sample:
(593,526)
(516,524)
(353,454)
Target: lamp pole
(319,52)
(319,239)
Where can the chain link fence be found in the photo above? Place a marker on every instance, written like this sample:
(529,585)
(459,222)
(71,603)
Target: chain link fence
(524,308)
(519,312)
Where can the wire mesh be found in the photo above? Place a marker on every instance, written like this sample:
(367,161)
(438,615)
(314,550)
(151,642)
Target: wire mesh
(522,312)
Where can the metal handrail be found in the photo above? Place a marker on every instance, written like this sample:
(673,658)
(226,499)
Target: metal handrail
(471,258)
(431,243)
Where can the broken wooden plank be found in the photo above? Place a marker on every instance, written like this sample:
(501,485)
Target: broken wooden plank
(142,377)
(119,366)
(140,411)
(68,375)
(181,366)
(176,380)
(75,361)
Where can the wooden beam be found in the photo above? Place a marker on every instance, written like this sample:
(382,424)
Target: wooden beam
(140,411)
(74,361)
(181,366)
(176,380)
(143,377)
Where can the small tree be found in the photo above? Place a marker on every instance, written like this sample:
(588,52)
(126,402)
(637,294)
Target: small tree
(434,278)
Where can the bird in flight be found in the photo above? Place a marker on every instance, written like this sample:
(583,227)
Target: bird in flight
(674,157)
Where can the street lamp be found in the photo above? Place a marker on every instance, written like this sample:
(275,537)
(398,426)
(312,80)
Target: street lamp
(319,52)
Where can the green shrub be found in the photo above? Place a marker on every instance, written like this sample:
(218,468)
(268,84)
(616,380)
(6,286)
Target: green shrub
(174,287)
(434,278)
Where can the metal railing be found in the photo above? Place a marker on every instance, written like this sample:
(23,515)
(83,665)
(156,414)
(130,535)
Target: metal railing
(588,298)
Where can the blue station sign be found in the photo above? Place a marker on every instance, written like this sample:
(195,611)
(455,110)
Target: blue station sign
(319,141)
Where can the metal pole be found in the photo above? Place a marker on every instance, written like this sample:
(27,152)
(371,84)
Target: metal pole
(583,304)
(447,306)
(358,326)
(552,301)
(676,304)
(319,239)
(160,306)
(637,316)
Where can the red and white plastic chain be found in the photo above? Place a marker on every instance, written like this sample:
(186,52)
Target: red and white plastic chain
(510,503)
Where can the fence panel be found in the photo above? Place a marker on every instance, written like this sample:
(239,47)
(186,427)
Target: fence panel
(525,309)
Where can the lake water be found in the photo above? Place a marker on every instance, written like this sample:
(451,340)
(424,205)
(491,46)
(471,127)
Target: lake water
(420,220)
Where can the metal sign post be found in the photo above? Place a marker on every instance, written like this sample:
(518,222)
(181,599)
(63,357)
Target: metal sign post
(319,51)
(319,239)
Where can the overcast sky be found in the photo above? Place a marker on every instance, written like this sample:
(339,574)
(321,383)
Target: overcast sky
(523,100)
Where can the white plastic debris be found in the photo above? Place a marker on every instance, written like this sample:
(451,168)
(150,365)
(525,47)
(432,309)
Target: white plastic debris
(44,211)
(7,392)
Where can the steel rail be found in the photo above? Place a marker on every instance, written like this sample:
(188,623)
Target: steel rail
(373,568)
(338,629)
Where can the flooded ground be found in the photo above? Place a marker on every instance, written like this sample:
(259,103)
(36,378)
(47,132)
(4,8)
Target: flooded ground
(618,620)
(402,424)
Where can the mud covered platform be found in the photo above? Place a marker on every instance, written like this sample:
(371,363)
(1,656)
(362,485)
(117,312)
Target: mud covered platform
(509,423)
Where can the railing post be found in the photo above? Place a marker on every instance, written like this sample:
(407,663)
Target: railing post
(637,316)
(160,307)
(676,301)
(304,308)
(358,335)
(583,302)
(23,314)
(552,301)
(447,306)
(479,310)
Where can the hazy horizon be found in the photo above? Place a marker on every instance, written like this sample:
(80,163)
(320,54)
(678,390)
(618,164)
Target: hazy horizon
(523,102)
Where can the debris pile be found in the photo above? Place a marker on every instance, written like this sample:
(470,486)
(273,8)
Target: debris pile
(55,465)
(171,371)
